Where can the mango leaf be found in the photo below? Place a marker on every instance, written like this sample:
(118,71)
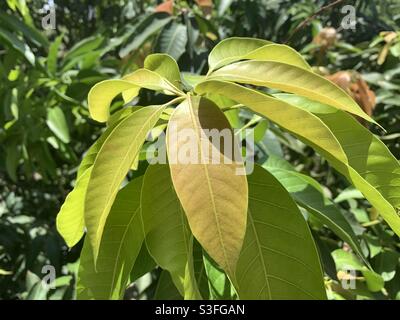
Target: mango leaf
(218,282)
(112,163)
(101,95)
(58,124)
(345,261)
(152,80)
(209,181)
(91,154)
(164,223)
(13,155)
(269,52)
(232,49)
(191,288)
(306,126)
(327,130)
(166,289)
(200,271)
(53,52)
(120,245)
(279,259)
(165,66)
(83,47)
(30,33)
(308,194)
(144,263)
(371,168)
(291,79)
(385,263)
(70,220)
(173,40)
(146,28)
(14,42)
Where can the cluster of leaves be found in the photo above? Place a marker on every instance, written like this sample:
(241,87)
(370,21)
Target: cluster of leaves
(44,124)
(252,228)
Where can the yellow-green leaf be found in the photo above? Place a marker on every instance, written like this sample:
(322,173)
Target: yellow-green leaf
(70,220)
(232,49)
(165,66)
(112,163)
(102,94)
(269,52)
(303,124)
(153,81)
(120,245)
(348,146)
(371,168)
(291,79)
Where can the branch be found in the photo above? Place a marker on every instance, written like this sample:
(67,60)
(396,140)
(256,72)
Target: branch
(310,18)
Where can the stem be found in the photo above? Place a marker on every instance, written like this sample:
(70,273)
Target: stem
(308,20)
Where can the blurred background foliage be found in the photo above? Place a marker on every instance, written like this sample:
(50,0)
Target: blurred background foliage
(45,126)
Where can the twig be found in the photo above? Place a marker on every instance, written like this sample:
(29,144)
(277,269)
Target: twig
(308,20)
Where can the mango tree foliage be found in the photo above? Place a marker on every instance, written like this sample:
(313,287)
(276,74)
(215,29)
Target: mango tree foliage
(214,229)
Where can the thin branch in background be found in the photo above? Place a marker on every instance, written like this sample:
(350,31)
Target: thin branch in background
(310,18)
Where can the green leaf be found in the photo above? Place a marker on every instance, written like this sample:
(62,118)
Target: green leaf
(386,263)
(164,223)
(291,79)
(200,271)
(210,185)
(30,33)
(91,154)
(112,163)
(345,261)
(173,40)
(120,245)
(232,49)
(306,126)
(308,193)
(279,259)
(53,52)
(165,66)
(371,168)
(70,220)
(13,41)
(83,47)
(13,155)
(148,27)
(348,194)
(218,282)
(58,124)
(190,285)
(166,289)
(328,131)
(144,263)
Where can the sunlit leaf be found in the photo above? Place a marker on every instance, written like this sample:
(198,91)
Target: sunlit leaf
(210,185)
(112,163)
(120,245)
(289,78)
